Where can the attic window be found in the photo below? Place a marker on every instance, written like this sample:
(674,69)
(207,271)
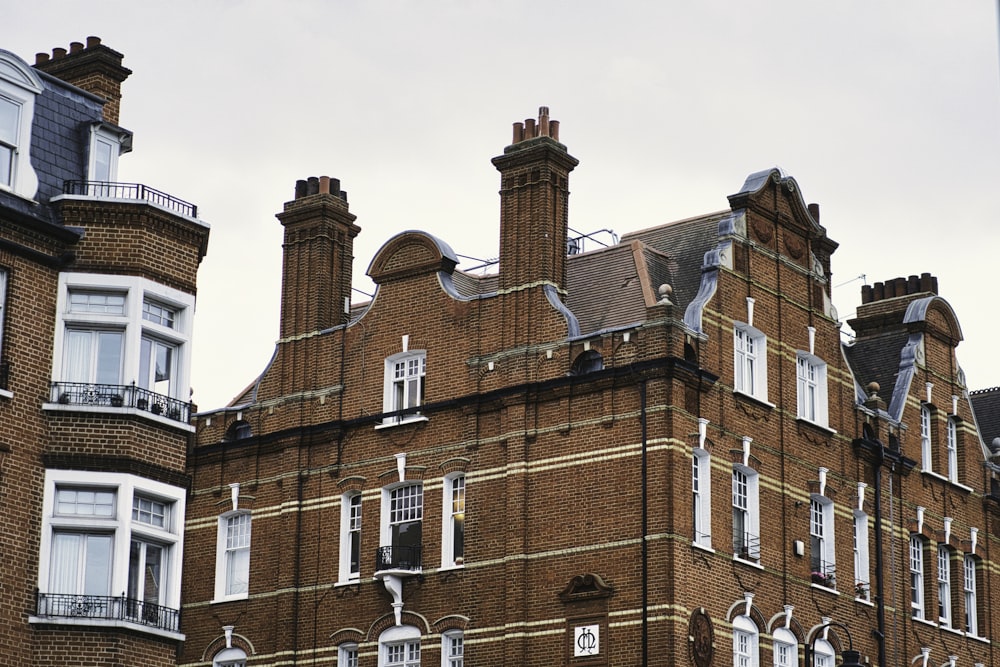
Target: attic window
(238,430)
(588,362)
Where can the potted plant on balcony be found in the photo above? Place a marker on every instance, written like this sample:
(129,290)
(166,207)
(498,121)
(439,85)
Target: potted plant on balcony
(156,408)
(117,400)
(820,577)
(142,403)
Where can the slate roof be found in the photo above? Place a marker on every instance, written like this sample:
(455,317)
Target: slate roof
(986,406)
(877,359)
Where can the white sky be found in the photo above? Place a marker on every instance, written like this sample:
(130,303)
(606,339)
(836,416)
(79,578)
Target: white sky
(886,113)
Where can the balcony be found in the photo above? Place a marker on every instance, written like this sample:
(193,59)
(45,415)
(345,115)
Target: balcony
(746,546)
(120,396)
(398,559)
(106,608)
(130,191)
(823,573)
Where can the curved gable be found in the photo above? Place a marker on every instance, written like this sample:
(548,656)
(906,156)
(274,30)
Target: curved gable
(411,253)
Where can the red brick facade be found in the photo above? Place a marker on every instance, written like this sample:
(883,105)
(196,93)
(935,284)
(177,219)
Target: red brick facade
(569,392)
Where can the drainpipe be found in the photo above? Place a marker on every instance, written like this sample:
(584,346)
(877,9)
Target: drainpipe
(645,527)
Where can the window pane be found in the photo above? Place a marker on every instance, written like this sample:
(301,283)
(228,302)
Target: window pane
(9,113)
(102,160)
(97,575)
(109,357)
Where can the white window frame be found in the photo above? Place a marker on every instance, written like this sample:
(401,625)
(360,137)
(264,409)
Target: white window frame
(746,506)
(351,516)
(404,636)
(347,655)
(103,135)
(926,451)
(822,547)
(944,585)
(746,642)
(4,391)
(20,85)
(224,559)
(399,388)
(453,649)
(701,497)
(120,526)
(390,513)
(823,654)
(917,587)
(951,448)
(785,648)
(812,389)
(750,361)
(230,657)
(862,567)
(970,593)
(453,502)
(131,323)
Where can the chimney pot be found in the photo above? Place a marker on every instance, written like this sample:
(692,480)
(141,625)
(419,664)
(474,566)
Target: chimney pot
(518,133)
(93,41)
(324,185)
(554,129)
(312,187)
(58,53)
(900,286)
(343,196)
(879,291)
(300,189)
(814,212)
(530,131)
(335,186)
(75,47)
(912,285)
(543,121)
(866,294)
(41,58)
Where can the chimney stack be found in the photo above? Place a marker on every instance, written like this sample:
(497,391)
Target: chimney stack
(534,197)
(94,68)
(318,253)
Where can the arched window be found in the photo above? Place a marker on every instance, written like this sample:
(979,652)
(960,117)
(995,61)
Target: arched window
(399,646)
(230,657)
(786,649)
(588,362)
(823,654)
(746,638)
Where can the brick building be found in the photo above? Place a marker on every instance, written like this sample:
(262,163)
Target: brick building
(656,452)
(97,292)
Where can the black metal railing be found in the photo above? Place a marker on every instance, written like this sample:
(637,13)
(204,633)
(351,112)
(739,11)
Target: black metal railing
(137,191)
(746,546)
(398,558)
(59,605)
(5,375)
(823,573)
(120,396)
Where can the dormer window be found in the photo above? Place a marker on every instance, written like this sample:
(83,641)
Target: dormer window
(19,85)
(107,142)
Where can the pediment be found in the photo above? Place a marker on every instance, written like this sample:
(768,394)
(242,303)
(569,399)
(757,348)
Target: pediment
(411,253)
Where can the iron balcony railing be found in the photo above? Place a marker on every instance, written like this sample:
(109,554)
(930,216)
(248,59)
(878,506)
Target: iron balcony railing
(120,396)
(398,558)
(746,546)
(823,573)
(59,605)
(137,191)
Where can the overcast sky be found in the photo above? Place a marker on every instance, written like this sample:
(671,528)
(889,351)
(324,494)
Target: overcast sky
(887,114)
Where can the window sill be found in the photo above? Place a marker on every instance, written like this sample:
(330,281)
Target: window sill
(400,422)
(107,623)
(867,603)
(826,589)
(923,621)
(708,548)
(6,394)
(230,598)
(954,631)
(978,638)
(451,566)
(347,582)
(755,399)
(938,476)
(751,563)
(104,409)
(816,425)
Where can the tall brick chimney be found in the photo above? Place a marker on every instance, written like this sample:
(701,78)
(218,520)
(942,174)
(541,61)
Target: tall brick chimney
(318,251)
(94,67)
(534,195)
